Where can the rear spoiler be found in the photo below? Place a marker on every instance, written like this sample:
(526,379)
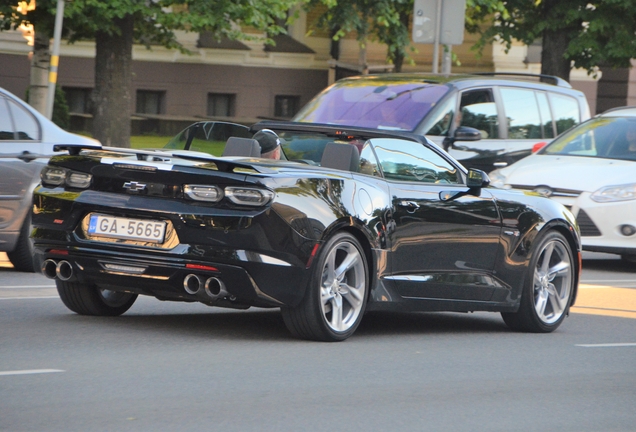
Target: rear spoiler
(224,165)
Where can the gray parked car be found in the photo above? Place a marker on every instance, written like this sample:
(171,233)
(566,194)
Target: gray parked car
(26,141)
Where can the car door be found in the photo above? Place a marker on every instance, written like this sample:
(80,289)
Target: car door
(443,240)
(19,141)
(478,109)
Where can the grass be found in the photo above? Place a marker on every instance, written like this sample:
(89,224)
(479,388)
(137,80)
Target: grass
(157,142)
(148,141)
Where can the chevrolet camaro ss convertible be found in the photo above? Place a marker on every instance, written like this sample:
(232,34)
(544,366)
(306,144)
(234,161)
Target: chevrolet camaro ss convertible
(353,220)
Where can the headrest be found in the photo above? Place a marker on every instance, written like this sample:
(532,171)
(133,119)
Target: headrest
(246,147)
(343,157)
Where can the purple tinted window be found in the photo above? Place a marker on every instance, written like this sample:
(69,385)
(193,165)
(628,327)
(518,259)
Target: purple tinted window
(365,104)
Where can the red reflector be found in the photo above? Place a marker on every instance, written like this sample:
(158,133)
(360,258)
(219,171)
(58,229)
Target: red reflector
(313,254)
(58,252)
(58,221)
(201,267)
(538,146)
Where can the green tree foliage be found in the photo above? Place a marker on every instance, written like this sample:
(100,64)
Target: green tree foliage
(386,21)
(116,24)
(578,33)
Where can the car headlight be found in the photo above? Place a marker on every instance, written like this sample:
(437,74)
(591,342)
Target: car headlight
(625,192)
(498,180)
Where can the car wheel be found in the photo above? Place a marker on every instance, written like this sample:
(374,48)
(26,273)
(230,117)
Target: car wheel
(22,256)
(90,300)
(336,297)
(548,287)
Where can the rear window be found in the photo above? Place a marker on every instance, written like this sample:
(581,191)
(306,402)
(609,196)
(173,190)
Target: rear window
(391,106)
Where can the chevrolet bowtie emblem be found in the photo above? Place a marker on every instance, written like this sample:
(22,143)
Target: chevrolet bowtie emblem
(133,186)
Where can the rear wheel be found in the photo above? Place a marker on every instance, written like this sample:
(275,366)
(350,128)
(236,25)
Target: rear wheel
(336,297)
(548,287)
(22,256)
(87,299)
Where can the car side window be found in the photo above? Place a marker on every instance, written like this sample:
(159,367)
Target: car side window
(413,162)
(478,110)
(6,127)
(566,111)
(368,161)
(522,113)
(25,124)
(441,122)
(546,115)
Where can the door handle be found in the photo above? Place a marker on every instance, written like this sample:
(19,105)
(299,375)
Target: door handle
(410,205)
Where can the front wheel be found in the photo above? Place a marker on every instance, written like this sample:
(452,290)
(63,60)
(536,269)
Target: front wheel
(336,297)
(548,288)
(87,299)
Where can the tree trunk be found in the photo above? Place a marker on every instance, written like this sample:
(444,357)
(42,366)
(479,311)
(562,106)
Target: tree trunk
(553,62)
(113,83)
(400,53)
(39,79)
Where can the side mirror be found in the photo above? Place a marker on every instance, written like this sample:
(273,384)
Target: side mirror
(465,133)
(477,179)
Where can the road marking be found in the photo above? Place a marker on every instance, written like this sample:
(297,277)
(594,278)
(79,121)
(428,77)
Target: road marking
(607,301)
(595,281)
(29,298)
(29,372)
(607,345)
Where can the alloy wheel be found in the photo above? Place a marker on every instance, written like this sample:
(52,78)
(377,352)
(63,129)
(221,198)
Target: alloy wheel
(343,286)
(552,282)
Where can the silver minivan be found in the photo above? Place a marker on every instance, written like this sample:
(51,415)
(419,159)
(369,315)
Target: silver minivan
(485,121)
(26,141)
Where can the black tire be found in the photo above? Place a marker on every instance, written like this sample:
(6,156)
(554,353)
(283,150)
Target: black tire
(548,287)
(90,300)
(328,293)
(22,256)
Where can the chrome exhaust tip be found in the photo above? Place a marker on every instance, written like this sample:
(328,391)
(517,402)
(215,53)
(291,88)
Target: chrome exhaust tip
(215,288)
(192,284)
(49,269)
(64,270)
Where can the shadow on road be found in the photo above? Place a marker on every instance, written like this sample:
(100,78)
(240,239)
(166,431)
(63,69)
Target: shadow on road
(609,265)
(268,324)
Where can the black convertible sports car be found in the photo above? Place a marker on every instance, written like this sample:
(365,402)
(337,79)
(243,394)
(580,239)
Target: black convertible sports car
(354,220)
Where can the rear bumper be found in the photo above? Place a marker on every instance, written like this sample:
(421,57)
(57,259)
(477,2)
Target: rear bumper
(245,283)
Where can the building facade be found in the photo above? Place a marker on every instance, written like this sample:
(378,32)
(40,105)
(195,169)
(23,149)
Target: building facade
(242,81)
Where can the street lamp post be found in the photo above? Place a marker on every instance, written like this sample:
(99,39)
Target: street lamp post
(55,58)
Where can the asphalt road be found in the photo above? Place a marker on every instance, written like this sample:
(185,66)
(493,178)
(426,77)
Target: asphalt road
(169,366)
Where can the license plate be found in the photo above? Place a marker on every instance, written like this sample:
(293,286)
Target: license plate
(124,228)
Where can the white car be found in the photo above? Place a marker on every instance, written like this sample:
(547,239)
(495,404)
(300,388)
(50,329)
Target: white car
(26,141)
(591,169)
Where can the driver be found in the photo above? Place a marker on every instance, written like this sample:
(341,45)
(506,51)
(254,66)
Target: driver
(269,142)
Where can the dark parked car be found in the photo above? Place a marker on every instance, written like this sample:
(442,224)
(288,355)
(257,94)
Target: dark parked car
(26,141)
(511,112)
(356,220)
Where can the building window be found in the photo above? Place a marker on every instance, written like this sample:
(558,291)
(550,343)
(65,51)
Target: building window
(78,99)
(286,106)
(221,104)
(150,102)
